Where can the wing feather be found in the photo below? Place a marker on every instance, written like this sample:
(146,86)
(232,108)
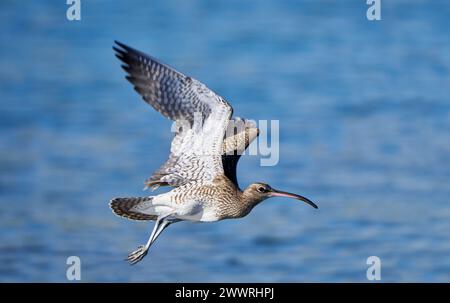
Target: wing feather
(196,151)
(240,134)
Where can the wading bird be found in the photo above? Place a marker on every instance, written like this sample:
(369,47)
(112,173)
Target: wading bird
(203,157)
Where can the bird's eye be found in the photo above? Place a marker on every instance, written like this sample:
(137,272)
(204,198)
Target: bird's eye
(262,189)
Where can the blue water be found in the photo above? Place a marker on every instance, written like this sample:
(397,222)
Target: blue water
(364,114)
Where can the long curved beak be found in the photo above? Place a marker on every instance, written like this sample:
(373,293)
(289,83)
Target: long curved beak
(278,193)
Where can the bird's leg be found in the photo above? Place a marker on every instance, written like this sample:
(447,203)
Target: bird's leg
(161,227)
(137,255)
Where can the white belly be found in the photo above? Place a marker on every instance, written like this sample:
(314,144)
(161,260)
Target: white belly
(196,212)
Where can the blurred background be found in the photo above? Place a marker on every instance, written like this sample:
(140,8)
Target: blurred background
(364,116)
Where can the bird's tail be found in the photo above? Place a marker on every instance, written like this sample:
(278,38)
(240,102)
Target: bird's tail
(123,207)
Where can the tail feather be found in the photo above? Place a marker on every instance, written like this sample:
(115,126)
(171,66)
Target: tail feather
(122,207)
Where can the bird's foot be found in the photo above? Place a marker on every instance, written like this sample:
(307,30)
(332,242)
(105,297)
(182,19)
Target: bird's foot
(137,255)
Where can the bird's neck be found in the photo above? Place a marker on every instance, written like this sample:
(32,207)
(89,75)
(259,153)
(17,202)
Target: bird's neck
(249,200)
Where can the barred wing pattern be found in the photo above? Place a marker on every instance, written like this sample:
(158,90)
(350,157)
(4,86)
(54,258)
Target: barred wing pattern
(197,147)
(171,93)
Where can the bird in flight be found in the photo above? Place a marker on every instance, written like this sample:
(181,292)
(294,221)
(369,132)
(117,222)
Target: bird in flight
(204,153)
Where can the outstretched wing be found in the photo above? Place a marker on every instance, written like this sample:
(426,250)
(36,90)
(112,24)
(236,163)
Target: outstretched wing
(201,115)
(240,133)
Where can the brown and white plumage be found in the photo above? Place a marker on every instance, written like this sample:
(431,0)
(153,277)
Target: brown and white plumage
(204,152)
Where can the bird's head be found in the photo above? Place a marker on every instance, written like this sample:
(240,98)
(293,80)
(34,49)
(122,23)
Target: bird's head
(258,192)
